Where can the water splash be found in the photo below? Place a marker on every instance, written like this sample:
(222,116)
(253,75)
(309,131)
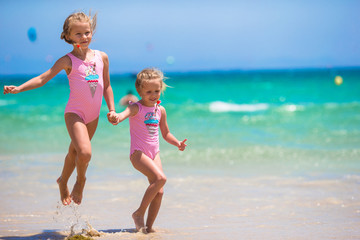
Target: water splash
(70,217)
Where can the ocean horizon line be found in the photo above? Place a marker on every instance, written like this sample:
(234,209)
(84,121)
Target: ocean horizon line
(217,71)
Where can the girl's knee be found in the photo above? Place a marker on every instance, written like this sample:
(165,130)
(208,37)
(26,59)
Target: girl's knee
(161,179)
(84,155)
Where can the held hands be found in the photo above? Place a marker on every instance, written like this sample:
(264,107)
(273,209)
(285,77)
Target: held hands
(11,89)
(112,118)
(182,145)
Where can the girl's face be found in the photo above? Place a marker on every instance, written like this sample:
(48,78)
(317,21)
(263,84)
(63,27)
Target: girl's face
(80,34)
(150,92)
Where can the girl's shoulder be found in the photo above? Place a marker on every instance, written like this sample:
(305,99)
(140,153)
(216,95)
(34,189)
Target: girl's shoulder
(64,62)
(134,108)
(161,107)
(162,110)
(66,58)
(103,55)
(101,52)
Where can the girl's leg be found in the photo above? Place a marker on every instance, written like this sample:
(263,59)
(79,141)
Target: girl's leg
(156,202)
(80,135)
(69,166)
(157,179)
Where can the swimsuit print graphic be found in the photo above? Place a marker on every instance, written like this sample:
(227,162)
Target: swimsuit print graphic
(151,122)
(91,78)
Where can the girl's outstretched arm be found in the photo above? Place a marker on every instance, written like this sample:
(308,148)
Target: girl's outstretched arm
(39,81)
(167,135)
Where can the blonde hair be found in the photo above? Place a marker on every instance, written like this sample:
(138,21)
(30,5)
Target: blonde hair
(149,74)
(77,17)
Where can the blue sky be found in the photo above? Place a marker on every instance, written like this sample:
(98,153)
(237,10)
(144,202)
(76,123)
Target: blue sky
(187,35)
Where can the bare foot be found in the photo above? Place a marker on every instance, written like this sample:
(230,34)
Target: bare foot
(139,222)
(150,230)
(64,192)
(76,194)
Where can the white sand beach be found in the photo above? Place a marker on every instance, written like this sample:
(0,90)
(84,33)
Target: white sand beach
(207,206)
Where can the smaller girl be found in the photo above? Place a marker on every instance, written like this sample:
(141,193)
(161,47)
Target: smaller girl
(145,118)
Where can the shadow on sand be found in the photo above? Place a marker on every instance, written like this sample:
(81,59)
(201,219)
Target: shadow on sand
(54,235)
(127,230)
(46,234)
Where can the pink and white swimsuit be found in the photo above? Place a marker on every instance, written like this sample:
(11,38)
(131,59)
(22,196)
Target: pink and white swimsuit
(86,87)
(144,130)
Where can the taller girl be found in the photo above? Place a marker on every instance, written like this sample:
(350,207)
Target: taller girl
(89,80)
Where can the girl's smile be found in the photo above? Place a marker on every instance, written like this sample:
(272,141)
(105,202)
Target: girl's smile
(81,33)
(150,92)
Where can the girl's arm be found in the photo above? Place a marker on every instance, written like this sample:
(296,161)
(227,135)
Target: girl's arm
(108,92)
(39,81)
(131,110)
(167,135)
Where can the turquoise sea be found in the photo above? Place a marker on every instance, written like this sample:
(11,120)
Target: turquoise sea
(278,136)
(291,119)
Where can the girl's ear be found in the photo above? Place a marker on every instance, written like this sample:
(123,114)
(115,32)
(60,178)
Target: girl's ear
(68,39)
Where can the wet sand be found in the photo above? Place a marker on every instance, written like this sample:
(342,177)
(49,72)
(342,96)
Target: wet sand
(194,207)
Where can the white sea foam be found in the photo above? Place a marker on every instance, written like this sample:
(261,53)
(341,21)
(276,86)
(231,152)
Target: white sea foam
(6,102)
(219,106)
(292,108)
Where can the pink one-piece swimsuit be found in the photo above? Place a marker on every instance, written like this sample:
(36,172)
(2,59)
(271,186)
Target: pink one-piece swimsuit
(144,130)
(86,87)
